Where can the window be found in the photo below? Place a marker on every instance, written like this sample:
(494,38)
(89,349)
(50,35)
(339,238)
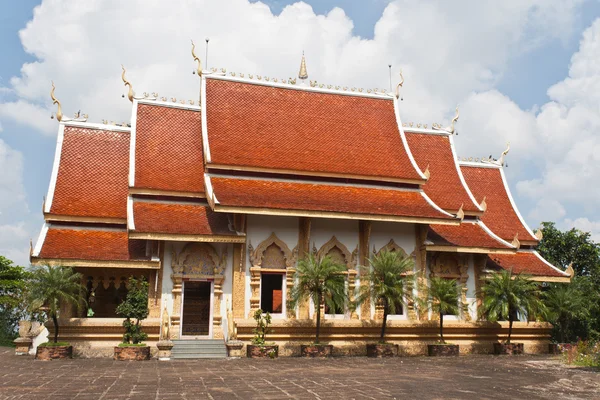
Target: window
(399,309)
(271,293)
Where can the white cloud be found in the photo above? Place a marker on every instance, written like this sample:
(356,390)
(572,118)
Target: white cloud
(12,192)
(585,225)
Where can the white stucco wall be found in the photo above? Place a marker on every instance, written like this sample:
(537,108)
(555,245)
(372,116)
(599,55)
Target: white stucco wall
(471,291)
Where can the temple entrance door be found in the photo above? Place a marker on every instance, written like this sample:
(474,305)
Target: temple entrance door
(196,313)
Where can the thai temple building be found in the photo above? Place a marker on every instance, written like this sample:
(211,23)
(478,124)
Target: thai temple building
(215,201)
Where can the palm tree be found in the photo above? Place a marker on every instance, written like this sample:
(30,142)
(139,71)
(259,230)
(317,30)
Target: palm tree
(53,287)
(506,296)
(387,284)
(564,304)
(323,281)
(442,297)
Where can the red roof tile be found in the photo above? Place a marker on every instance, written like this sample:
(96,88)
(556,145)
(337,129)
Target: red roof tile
(174,218)
(524,262)
(467,234)
(320,197)
(260,126)
(92,174)
(500,215)
(89,244)
(444,186)
(168,149)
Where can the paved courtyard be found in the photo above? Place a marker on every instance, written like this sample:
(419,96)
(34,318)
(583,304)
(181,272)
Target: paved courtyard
(470,377)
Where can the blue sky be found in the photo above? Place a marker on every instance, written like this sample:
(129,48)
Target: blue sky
(504,78)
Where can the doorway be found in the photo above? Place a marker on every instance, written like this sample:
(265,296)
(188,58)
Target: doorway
(196,316)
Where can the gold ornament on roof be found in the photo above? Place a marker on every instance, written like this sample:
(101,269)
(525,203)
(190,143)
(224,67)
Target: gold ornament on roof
(504,153)
(515,242)
(483,204)
(449,129)
(460,213)
(399,85)
(199,66)
(127,83)
(303,73)
(59,113)
(427,173)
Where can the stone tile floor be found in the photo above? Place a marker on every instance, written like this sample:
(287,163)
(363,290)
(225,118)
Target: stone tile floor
(468,377)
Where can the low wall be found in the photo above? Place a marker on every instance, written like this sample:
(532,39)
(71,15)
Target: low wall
(96,337)
(350,337)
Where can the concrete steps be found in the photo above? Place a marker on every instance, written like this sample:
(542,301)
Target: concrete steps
(209,348)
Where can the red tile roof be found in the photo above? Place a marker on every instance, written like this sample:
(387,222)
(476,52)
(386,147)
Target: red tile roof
(175,218)
(524,262)
(500,216)
(168,149)
(444,186)
(90,244)
(321,197)
(467,234)
(92,174)
(251,125)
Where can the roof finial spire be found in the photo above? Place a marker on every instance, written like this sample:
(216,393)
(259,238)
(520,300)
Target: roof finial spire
(303,74)
(504,153)
(127,83)
(59,113)
(199,67)
(399,85)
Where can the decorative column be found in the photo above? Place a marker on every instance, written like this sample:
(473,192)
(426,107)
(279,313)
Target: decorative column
(238,286)
(364,236)
(304,224)
(217,332)
(254,290)
(176,315)
(421,271)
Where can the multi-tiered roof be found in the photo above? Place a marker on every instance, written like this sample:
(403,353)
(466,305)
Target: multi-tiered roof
(181,171)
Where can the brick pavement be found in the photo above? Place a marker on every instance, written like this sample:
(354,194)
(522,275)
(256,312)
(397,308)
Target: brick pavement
(469,377)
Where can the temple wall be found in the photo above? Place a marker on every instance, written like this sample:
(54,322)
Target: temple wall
(471,291)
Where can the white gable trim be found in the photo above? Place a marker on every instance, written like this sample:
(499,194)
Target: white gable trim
(204,133)
(438,208)
(101,127)
(460,175)
(132,143)
(404,142)
(130,216)
(41,239)
(55,167)
(171,104)
(494,236)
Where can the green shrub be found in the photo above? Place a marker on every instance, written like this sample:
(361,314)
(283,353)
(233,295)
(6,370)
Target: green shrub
(135,306)
(262,327)
(132,344)
(584,353)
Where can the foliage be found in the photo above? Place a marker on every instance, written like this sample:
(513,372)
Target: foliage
(506,296)
(322,280)
(54,344)
(565,305)
(135,306)
(573,246)
(442,297)
(13,280)
(132,345)
(262,327)
(53,287)
(386,284)
(584,353)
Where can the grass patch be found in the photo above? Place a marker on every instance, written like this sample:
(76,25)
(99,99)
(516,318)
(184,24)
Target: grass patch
(132,344)
(52,344)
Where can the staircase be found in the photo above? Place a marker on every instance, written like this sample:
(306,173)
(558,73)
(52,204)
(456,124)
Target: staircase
(210,348)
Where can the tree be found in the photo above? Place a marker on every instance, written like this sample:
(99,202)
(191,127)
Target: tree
(506,296)
(321,280)
(135,306)
(386,284)
(442,297)
(52,287)
(12,289)
(573,246)
(565,305)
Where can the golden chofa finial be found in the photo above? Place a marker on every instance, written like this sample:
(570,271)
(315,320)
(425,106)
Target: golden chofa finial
(127,83)
(449,129)
(199,67)
(399,85)
(303,74)
(59,113)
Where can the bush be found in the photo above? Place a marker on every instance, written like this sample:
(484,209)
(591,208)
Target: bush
(132,345)
(262,327)
(135,306)
(584,353)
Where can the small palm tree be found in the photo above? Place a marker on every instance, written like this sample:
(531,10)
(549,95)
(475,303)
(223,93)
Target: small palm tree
(52,287)
(323,281)
(564,304)
(506,295)
(442,297)
(386,284)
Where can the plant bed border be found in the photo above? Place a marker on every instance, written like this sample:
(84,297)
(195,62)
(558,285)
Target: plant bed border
(382,350)
(316,350)
(512,349)
(46,353)
(131,353)
(256,351)
(443,350)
